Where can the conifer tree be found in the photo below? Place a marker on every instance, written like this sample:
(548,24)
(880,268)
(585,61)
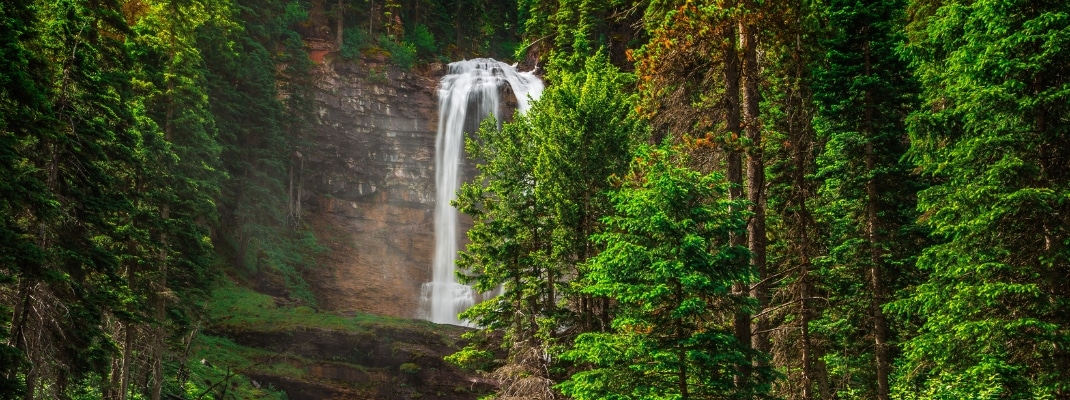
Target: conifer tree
(539,196)
(993,135)
(668,265)
(863,91)
(24,115)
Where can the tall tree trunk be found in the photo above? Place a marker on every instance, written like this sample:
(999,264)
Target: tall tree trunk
(741,323)
(682,373)
(755,181)
(290,204)
(24,330)
(300,189)
(158,332)
(340,19)
(157,352)
(876,286)
(805,289)
(371,19)
(183,371)
(124,369)
(823,379)
(29,319)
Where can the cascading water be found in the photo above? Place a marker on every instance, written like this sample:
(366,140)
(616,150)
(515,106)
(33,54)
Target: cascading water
(470,92)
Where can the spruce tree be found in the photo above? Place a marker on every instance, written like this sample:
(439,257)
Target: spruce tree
(669,264)
(993,135)
(539,196)
(863,91)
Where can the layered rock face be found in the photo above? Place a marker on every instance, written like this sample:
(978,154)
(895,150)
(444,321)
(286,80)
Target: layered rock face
(369,184)
(369,178)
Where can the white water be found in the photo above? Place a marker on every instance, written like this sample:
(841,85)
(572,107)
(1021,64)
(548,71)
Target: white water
(470,92)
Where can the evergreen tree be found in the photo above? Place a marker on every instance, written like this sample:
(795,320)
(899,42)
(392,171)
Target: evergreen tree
(668,265)
(539,196)
(712,94)
(794,238)
(993,135)
(259,135)
(84,160)
(24,114)
(863,91)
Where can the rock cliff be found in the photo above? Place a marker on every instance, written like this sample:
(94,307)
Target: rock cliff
(369,179)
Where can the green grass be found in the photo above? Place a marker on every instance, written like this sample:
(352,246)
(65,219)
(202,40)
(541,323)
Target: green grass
(233,308)
(237,308)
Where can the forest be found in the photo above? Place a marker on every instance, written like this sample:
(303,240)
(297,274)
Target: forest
(713,199)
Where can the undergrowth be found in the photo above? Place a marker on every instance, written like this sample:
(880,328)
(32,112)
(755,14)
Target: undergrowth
(217,366)
(237,308)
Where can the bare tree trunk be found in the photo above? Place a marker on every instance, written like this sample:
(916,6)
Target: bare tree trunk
(741,323)
(755,181)
(183,372)
(823,379)
(300,188)
(290,204)
(157,364)
(682,373)
(371,19)
(124,370)
(876,286)
(805,292)
(25,332)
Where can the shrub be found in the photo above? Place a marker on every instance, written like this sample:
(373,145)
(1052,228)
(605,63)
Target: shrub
(402,54)
(354,42)
(409,368)
(424,42)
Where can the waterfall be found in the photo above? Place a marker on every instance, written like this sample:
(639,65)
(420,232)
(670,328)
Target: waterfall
(469,92)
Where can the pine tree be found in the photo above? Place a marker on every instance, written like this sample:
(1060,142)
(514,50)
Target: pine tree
(539,197)
(24,115)
(993,135)
(699,78)
(863,91)
(257,132)
(791,148)
(668,265)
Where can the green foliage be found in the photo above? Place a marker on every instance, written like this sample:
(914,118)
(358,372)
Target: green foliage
(865,203)
(223,359)
(668,265)
(112,142)
(437,29)
(472,359)
(424,41)
(145,145)
(402,54)
(258,134)
(571,30)
(993,135)
(354,43)
(409,368)
(239,308)
(545,178)
(23,116)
